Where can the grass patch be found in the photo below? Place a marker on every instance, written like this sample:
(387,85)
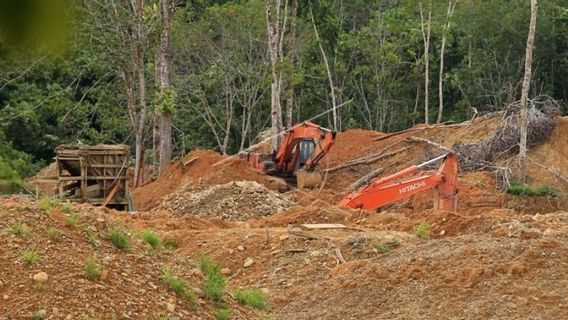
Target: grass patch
(119,239)
(423,231)
(151,238)
(223,314)
(522,189)
(215,283)
(19,230)
(66,208)
(53,234)
(30,257)
(92,269)
(93,239)
(71,220)
(39,315)
(387,247)
(177,285)
(39,287)
(253,297)
(47,205)
(170,244)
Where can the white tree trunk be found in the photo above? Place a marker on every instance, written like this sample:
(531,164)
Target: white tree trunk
(426,39)
(525,93)
(449,14)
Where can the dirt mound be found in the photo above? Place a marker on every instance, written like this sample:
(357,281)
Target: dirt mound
(36,240)
(237,200)
(200,168)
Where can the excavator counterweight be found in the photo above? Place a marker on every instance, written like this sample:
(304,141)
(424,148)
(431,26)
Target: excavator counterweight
(410,181)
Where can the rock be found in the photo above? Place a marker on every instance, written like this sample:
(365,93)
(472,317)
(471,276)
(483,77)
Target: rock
(1,283)
(240,248)
(265,290)
(171,307)
(41,277)
(226,271)
(104,275)
(248,262)
(55,311)
(283,237)
(6,297)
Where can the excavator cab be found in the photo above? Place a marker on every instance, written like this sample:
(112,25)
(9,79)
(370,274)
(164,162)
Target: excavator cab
(306,149)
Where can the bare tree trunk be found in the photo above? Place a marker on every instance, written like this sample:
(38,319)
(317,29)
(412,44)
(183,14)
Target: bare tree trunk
(275,22)
(328,70)
(525,93)
(450,13)
(292,54)
(426,39)
(163,131)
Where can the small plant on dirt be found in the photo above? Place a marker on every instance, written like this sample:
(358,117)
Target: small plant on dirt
(223,314)
(253,297)
(19,230)
(53,234)
(423,231)
(67,208)
(386,247)
(47,205)
(92,269)
(521,189)
(177,285)
(93,239)
(39,287)
(215,283)
(170,244)
(151,238)
(72,220)
(39,315)
(30,257)
(119,239)
(89,318)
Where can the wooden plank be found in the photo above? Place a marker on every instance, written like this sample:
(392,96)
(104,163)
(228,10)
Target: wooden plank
(78,178)
(321,226)
(110,195)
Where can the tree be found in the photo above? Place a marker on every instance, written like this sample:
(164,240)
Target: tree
(525,93)
(166,95)
(445,29)
(293,57)
(426,40)
(276,14)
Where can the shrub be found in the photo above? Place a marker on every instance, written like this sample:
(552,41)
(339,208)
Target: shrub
(72,220)
(92,269)
(19,230)
(47,205)
(215,283)
(387,246)
(177,285)
(53,234)
(423,231)
(119,238)
(223,314)
(253,297)
(521,189)
(66,208)
(151,238)
(30,257)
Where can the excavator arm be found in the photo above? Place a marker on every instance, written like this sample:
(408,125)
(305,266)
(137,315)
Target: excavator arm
(408,182)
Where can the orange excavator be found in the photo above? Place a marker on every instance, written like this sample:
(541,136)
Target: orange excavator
(410,181)
(300,151)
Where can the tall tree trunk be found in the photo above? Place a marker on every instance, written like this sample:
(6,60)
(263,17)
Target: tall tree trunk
(426,39)
(275,23)
(292,55)
(525,94)
(328,70)
(165,95)
(450,13)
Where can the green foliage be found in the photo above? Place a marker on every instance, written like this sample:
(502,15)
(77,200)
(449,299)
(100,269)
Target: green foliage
(215,283)
(119,239)
(48,204)
(151,238)
(39,287)
(30,257)
(19,230)
(423,231)
(93,239)
(223,314)
(253,297)
(92,269)
(177,285)
(39,315)
(72,220)
(67,208)
(521,189)
(53,234)
(166,102)
(386,247)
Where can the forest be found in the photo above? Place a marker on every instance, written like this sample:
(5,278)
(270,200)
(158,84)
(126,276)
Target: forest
(209,73)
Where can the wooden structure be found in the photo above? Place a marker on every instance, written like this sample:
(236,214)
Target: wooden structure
(93,174)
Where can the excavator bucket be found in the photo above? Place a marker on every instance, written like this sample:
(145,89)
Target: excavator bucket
(308,179)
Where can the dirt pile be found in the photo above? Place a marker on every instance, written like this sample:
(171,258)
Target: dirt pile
(237,200)
(40,238)
(202,169)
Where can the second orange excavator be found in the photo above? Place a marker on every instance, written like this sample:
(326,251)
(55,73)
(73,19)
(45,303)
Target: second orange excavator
(298,155)
(410,181)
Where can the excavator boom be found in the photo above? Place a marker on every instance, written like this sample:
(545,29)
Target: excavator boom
(408,182)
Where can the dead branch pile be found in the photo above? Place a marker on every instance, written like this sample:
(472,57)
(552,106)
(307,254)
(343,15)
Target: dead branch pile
(543,112)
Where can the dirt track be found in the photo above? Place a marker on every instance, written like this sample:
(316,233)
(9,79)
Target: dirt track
(499,257)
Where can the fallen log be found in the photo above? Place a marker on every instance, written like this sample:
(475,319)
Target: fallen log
(426,141)
(366,179)
(366,160)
